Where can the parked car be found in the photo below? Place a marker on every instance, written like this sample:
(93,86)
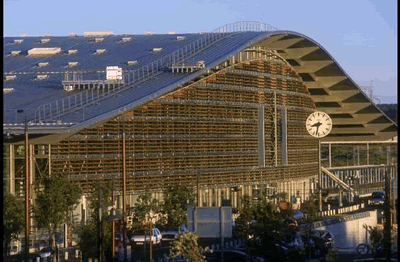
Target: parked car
(377,198)
(325,234)
(141,236)
(45,252)
(334,202)
(169,235)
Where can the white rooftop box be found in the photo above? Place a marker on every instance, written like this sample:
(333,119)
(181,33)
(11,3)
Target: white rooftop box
(114,73)
(44,51)
(100,51)
(7,90)
(15,52)
(97,33)
(68,88)
(180,37)
(11,77)
(126,39)
(157,49)
(18,41)
(99,39)
(72,51)
(41,76)
(132,62)
(43,64)
(72,64)
(45,40)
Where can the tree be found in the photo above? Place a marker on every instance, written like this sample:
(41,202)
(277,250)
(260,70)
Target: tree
(55,198)
(13,220)
(174,206)
(186,245)
(88,232)
(145,209)
(243,229)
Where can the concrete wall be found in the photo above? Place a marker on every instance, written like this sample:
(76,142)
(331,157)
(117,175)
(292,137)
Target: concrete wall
(348,230)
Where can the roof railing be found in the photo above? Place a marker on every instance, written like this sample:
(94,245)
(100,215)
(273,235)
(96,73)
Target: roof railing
(245,26)
(55,109)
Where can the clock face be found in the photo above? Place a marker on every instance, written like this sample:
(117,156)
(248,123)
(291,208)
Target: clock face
(319,124)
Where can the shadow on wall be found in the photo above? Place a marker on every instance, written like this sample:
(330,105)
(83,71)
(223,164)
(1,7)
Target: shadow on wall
(348,230)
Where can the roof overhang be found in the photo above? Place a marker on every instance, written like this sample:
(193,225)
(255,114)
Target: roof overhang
(355,117)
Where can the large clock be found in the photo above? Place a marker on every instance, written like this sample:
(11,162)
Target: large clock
(319,124)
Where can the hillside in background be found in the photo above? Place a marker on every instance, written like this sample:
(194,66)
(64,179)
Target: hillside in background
(390,110)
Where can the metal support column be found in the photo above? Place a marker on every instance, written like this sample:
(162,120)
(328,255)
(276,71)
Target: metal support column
(275,131)
(330,155)
(27,183)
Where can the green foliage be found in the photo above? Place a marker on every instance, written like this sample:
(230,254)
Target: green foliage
(56,197)
(146,208)
(243,227)
(375,235)
(174,205)
(89,238)
(186,245)
(13,219)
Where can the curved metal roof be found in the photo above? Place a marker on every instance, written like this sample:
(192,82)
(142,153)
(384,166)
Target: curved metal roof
(355,116)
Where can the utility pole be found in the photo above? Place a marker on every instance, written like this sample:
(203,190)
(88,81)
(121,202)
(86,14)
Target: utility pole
(99,226)
(113,225)
(319,176)
(26,191)
(124,194)
(388,224)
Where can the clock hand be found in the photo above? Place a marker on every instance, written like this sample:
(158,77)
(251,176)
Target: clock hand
(316,132)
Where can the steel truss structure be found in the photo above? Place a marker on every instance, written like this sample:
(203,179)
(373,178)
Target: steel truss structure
(210,127)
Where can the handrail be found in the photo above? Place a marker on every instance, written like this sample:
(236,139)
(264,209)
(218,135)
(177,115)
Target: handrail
(336,179)
(56,109)
(245,26)
(75,102)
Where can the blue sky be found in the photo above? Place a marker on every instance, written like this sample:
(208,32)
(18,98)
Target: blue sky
(360,34)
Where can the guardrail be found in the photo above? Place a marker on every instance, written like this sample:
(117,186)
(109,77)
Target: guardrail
(75,102)
(55,109)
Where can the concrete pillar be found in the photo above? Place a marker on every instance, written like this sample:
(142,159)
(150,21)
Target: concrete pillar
(209,197)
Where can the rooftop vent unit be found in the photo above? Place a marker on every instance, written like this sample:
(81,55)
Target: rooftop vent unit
(41,76)
(126,39)
(180,38)
(18,41)
(43,64)
(132,62)
(100,51)
(97,33)
(157,49)
(72,64)
(45,40)
(10,77)
(99,39)
(15,53)
(7,90)
(72,51)
(44,51)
